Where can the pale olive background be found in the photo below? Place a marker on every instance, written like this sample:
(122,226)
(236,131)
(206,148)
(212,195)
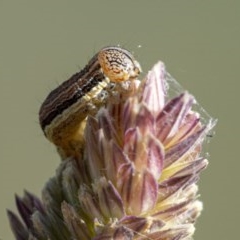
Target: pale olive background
(44,42)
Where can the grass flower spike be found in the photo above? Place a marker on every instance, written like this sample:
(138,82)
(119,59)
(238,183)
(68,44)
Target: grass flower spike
(137,176)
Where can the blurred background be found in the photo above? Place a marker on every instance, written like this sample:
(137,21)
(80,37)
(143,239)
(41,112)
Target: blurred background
(42,43)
